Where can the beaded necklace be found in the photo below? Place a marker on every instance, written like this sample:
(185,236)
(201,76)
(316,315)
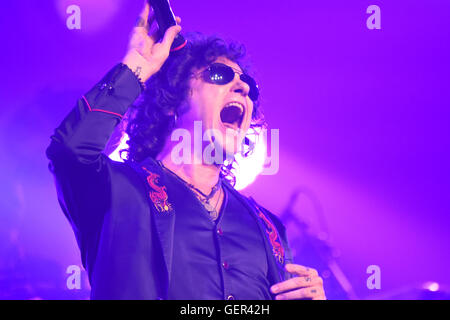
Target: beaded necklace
(203,198)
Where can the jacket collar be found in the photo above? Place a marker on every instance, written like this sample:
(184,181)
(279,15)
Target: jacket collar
(163,214)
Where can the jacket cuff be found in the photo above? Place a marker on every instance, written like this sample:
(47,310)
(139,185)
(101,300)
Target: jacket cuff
(115,92)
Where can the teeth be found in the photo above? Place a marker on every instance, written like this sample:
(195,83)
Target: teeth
(236,104)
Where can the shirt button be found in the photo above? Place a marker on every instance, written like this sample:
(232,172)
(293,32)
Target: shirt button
(225,265)
(230,297)
(219,231)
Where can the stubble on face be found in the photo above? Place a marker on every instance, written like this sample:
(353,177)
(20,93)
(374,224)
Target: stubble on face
(206,102)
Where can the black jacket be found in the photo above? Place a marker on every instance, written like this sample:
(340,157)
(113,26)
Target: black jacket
(125,238)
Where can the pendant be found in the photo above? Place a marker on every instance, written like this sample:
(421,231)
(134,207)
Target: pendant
(208,206)
(211,210)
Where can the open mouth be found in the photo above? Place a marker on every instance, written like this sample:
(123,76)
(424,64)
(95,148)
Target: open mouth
(232,115)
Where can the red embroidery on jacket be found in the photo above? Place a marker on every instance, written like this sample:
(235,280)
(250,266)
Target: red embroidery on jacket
(159,194)
(277,248)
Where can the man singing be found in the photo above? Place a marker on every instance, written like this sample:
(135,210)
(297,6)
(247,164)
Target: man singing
(155,227)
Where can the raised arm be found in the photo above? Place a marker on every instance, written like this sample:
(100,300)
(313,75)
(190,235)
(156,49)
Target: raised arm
(84,133)
(75,152)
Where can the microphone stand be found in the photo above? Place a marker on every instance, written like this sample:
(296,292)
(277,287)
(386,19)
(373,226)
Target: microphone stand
(319,242)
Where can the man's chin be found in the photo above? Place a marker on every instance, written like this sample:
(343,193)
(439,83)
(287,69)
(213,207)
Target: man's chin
(227,143)
(219,154)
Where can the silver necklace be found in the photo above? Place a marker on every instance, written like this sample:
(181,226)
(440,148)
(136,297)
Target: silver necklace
(203,198)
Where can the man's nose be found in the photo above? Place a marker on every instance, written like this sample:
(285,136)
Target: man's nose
(240,86)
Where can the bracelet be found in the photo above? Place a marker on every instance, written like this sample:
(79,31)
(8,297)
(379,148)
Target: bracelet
(137,73)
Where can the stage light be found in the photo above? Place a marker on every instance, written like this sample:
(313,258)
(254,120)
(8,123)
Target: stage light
(431,286)
(248,168)
(115,155)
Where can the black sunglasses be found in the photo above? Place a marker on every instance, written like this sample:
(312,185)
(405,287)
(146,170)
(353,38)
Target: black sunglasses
(219,73)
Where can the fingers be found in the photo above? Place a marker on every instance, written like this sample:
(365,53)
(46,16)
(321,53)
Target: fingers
(314,293)
(295,283)
(145,11)
(301,270)
(154,32)
(305,285)
(142,19)
(145,25)
(169,36)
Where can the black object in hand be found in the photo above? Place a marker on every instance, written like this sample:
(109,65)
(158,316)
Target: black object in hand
(165,19)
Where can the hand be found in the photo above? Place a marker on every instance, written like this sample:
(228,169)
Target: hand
(145,54)
(305,285)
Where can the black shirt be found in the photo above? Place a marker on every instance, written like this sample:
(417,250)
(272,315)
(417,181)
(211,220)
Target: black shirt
(222,259)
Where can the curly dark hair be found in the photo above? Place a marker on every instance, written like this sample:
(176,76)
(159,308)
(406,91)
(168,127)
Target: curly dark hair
(151,120)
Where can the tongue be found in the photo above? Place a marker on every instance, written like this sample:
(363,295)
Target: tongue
(230,114)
